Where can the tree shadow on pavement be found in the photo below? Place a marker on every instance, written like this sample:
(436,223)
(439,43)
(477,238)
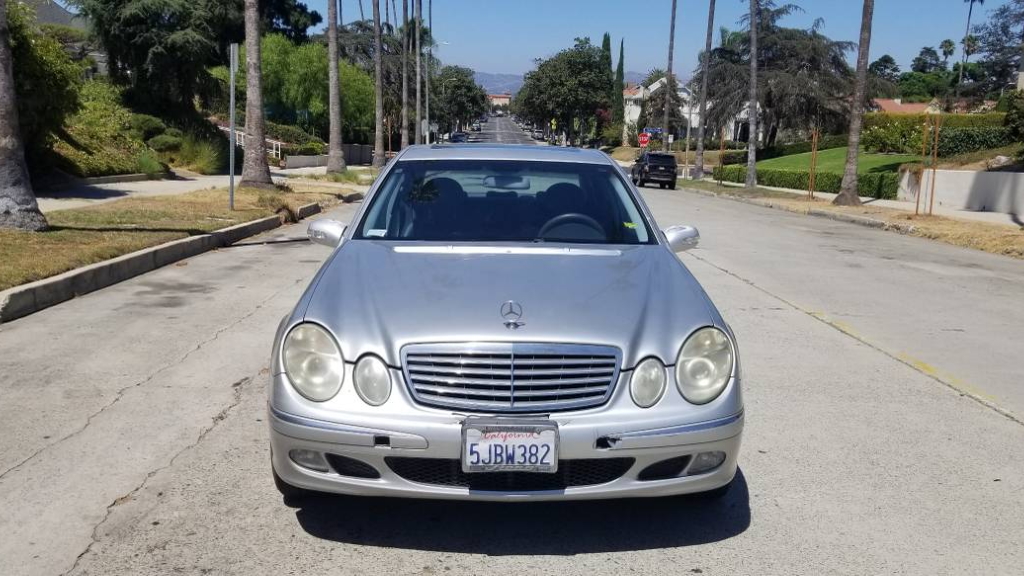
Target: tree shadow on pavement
(547,528)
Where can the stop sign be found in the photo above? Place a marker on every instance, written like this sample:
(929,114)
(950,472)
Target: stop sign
(643,138)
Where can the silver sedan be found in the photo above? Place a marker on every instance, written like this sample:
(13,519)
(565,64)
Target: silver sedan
(504,323)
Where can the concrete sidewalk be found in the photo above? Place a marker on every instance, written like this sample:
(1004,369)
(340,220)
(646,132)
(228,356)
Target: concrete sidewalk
(85,194)
(987,217)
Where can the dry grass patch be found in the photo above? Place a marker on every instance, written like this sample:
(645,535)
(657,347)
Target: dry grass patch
(82,236)
(1000,239)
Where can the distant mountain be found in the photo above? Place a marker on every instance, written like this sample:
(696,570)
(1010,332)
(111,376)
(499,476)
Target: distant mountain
(635,77)
(511,83)
(499,83)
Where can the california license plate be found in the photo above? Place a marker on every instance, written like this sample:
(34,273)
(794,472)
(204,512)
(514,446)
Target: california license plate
(494,445)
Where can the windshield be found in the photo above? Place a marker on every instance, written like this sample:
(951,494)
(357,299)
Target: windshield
(504,201)
(662,159)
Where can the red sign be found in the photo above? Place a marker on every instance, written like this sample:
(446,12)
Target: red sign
(643,138)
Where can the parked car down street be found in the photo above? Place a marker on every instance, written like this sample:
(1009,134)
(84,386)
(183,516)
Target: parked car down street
(657,167)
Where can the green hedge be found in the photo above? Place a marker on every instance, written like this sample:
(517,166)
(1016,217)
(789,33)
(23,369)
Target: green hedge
(992,119)
(956,141)
(290,134)
(165,143)
(882,185)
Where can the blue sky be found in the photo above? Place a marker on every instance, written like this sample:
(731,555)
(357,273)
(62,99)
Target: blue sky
(504,36)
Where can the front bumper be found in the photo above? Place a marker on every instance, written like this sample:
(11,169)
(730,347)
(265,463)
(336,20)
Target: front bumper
(434,435)
(659,176)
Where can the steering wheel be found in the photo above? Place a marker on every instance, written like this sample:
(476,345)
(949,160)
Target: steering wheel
(571,218)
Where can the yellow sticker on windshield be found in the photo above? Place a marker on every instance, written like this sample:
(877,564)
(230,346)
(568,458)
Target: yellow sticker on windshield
(629,224)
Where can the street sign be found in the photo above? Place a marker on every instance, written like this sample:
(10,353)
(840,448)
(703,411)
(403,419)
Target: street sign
(652,130)
(671,138)
(644,138)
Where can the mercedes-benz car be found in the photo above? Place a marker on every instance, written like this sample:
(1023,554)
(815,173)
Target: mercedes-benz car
(504,323)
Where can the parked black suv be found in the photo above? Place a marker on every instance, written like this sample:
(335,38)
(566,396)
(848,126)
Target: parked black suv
(655,167)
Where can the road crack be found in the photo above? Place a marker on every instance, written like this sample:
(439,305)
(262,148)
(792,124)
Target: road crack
(121,392)
(221,416)
(950,382)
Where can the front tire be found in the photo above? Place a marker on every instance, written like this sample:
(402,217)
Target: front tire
(640,183)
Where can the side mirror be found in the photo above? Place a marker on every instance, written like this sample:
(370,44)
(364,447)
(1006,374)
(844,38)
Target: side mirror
(682,238)
(326,232)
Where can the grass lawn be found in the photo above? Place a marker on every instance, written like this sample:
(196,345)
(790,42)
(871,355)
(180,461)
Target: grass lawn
(994,238)
(82,236)
(834,160)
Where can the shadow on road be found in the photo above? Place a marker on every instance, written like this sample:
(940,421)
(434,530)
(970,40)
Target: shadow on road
(551,528)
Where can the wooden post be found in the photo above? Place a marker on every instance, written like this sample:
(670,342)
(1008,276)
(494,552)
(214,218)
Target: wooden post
(814,164)
(924,163)
(721,158)
(935,162)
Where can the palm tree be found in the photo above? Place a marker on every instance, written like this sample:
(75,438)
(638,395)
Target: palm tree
(361,15)
(698,165)
(848,195)
(335,154)
(255,170)
(418,31)
(378,139)
(752,110)
(405,74)
(18,208)
(947,47)
(668,76)
(967,34)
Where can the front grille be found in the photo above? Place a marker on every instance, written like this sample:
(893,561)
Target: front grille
(511,377)
(448,472)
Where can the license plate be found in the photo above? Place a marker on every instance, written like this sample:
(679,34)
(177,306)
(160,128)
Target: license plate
(502,446)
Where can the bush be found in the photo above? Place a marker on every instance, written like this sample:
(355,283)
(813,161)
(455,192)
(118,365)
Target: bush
(174,132)
(97,140)
(164,143)
(150,165)
(956,141)
(201,156)
(290,134)
(147,126)
(1014,121)
(612,134)
(310,149)
(882,185)
(916,121)
(892,138)
(46,82)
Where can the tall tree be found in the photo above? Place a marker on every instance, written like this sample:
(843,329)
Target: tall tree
(668,86)
(378,140)
(885,68)
(698,164)
(335,153)
(418,27)
(752,108)
(948,47)
(255,170)
(18,208)
(848,195)
(405,74)
(967,34)
(618,104)
(927,61)
(606,59)
(362,16)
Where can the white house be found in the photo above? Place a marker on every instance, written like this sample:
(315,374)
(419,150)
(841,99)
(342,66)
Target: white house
(634,96)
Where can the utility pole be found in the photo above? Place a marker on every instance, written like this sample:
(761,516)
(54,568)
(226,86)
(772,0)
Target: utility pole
(668,75)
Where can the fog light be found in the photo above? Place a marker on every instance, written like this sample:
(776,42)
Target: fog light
(310,459)
(705,462)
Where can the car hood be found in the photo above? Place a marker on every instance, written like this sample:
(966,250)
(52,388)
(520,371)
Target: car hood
(378,296)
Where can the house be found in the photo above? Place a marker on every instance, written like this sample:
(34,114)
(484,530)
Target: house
(634,97)
(897,106)
(497,100)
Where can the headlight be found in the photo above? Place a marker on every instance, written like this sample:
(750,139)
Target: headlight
(373,380)
(704,365)
(648,383)
(313,362)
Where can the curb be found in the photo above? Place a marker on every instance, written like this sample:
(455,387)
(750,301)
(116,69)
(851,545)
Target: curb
(849,218)
(115,179)
(20,301)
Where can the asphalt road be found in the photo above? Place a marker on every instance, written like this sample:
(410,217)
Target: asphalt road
(500,131)
(133,437)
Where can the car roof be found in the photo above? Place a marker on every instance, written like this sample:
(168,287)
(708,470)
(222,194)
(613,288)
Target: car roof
(661,154)
(524,152)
